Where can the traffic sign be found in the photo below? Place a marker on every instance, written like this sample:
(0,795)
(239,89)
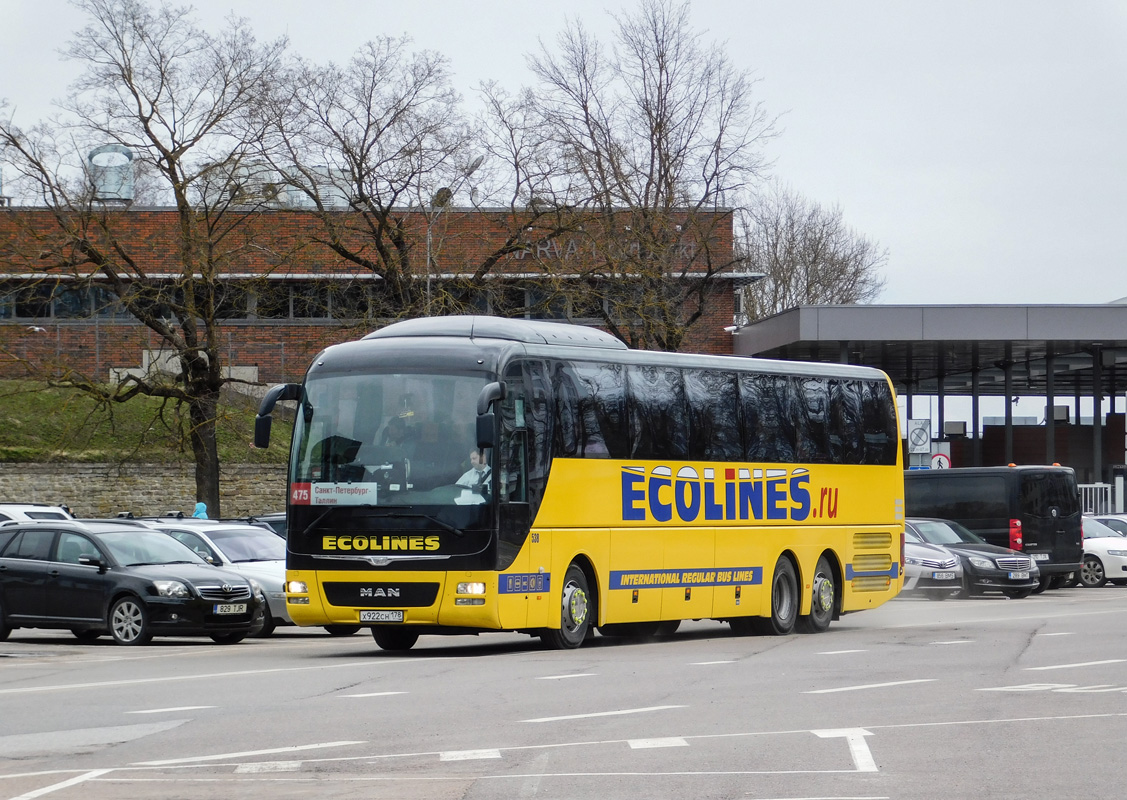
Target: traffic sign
(941,461)
(919,436)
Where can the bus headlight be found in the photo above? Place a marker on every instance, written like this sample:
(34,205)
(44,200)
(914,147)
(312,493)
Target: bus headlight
(297,587)
(471,588)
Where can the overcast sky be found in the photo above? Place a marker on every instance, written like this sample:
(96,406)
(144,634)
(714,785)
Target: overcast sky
(982,143)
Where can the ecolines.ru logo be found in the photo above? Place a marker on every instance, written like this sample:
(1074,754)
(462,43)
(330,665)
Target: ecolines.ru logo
(761,494)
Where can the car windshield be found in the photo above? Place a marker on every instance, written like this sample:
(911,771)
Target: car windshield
(136,547)
(248,544)
(389,439)
(1094,529)
(940,532)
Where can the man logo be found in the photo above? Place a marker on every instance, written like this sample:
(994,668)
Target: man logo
(378,591)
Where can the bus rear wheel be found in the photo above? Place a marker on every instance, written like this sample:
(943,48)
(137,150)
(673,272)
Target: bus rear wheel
(394,638)
(784,600)
(823,601)
(575,612)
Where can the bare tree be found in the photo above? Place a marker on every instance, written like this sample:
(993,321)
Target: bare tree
(654,133)
(808,254)
(381,152)
(182,102)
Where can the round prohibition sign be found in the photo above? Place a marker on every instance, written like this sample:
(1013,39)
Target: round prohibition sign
(919,437)
(941,461)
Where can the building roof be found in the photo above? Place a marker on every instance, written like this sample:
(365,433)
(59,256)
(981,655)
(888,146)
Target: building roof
(916,345)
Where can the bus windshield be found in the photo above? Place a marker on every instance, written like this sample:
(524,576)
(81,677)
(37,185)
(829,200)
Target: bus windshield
(390,439)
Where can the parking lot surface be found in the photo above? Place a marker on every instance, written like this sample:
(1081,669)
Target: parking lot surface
(917,699)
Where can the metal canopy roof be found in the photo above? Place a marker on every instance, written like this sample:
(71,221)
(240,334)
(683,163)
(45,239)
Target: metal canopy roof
(918,345)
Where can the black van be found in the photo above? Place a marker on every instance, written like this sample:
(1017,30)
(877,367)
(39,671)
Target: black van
(1033,509)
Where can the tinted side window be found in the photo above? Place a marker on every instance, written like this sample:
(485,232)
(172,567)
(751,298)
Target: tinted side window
(881,433)
(714,415)
(35,545)
(810,403)
(659,420)
(539,413)
(1042,491)
(846,428)
(767,406)
(958,497)
(602,403)
(73,546)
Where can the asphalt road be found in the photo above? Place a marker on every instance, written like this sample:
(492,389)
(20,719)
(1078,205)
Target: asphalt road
(918,699)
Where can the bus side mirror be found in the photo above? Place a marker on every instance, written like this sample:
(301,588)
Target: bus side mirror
(283,391)
(485,427)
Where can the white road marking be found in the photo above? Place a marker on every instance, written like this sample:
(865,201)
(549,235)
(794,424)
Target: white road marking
(1079,664)
(230,756)
(646,744)
(710,663)
(840,652)
(204,676)
(372,694)
(858,748)
(63,785)
(869,686)
(267,766)
(561,677)
(604,714)
(1066,633)
(1027,687)
(168,710)
(957,641)
(468,755)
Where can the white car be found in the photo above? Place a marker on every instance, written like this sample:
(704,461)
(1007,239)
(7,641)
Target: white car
(29,512)
(931,570)
(1105,555)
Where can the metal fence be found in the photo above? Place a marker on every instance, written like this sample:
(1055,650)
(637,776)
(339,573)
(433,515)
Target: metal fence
(1095,498)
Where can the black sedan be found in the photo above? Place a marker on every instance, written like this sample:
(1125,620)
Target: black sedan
(986,567)
(99,578)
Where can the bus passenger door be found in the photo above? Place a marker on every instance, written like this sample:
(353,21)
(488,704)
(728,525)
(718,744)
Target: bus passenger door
(690,556)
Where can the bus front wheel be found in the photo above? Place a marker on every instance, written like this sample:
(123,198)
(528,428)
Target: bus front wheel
(575,612)
(394,638)
(823,601)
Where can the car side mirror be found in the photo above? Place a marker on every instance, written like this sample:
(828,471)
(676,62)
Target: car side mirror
(93,561)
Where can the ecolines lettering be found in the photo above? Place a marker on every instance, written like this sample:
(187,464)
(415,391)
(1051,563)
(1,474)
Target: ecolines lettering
(379,543)
(770,494)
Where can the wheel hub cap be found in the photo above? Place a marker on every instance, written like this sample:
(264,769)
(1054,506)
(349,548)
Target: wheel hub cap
(575,606)
(824,594)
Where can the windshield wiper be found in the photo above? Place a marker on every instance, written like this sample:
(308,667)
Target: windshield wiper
(388,515)
(414,515)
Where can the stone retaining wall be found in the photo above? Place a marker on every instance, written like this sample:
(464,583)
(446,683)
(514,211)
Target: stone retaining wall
(103,490)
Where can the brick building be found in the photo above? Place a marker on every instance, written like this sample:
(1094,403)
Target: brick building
(285,294)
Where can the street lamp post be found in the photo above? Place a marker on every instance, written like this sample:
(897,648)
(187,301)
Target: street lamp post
(441,199)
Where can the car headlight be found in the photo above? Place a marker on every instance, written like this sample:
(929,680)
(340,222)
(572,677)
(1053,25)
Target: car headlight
(256,587)
(471,588)
(1117,552)
(171,589)
(981,563)
(915,562)
(297,587)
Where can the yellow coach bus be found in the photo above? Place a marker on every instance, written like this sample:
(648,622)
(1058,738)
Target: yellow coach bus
(472,474)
